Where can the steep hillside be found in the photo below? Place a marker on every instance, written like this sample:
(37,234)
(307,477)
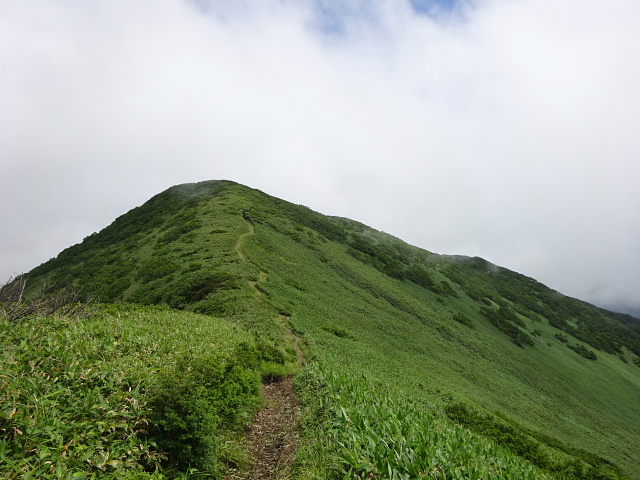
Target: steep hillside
(455,340)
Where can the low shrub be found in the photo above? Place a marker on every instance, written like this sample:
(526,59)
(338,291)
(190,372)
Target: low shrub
(274,372)
(193,401)
(582,465)
(337,331)
(444,288)
(507,321)
(463,319)
(506,435)
(583,351)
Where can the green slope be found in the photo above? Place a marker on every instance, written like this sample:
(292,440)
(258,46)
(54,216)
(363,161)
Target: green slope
(423,332)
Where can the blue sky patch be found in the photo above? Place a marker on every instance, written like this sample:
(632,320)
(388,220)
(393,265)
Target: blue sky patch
(429,6)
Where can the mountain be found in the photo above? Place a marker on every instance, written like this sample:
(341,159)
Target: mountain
(395,334)
(628,317)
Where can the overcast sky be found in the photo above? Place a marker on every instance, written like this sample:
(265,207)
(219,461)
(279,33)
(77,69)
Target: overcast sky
(507,129)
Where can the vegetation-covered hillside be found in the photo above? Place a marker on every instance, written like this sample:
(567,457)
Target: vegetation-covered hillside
(422,365)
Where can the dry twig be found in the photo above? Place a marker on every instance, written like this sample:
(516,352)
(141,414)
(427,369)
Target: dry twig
(14,305)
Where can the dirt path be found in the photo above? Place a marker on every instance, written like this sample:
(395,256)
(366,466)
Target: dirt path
(272,440)
(240,242)
(296,341)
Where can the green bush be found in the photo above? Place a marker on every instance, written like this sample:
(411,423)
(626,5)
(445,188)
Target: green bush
(193,287)
(419,276)
(174,233)
(193,401)
(508,436)
(463,319)
(187,289)
(507,321)
(210,306)
(337,331)
(582,465)
(252,355)
(583,351)
(444,288)
(155,268)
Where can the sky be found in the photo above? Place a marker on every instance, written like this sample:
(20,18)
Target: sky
(505,129)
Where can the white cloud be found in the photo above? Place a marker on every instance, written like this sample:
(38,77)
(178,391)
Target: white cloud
(505,130)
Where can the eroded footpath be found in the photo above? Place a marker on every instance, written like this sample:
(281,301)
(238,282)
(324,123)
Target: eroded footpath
(272,441)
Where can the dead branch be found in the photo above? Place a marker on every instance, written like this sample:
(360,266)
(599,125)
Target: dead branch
(67,302)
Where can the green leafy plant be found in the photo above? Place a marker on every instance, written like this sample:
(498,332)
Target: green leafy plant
(193,400)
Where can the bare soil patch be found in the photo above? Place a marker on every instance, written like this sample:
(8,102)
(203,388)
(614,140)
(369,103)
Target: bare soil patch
(272,440)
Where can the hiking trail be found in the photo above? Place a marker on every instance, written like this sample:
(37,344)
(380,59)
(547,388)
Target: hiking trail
(272,440)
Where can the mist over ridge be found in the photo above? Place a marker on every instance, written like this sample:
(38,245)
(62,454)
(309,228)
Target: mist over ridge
(497,129)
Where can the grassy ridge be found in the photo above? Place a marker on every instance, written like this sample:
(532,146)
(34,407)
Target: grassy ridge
(422,331)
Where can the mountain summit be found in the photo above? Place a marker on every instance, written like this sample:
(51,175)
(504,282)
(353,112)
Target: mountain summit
(479,345)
